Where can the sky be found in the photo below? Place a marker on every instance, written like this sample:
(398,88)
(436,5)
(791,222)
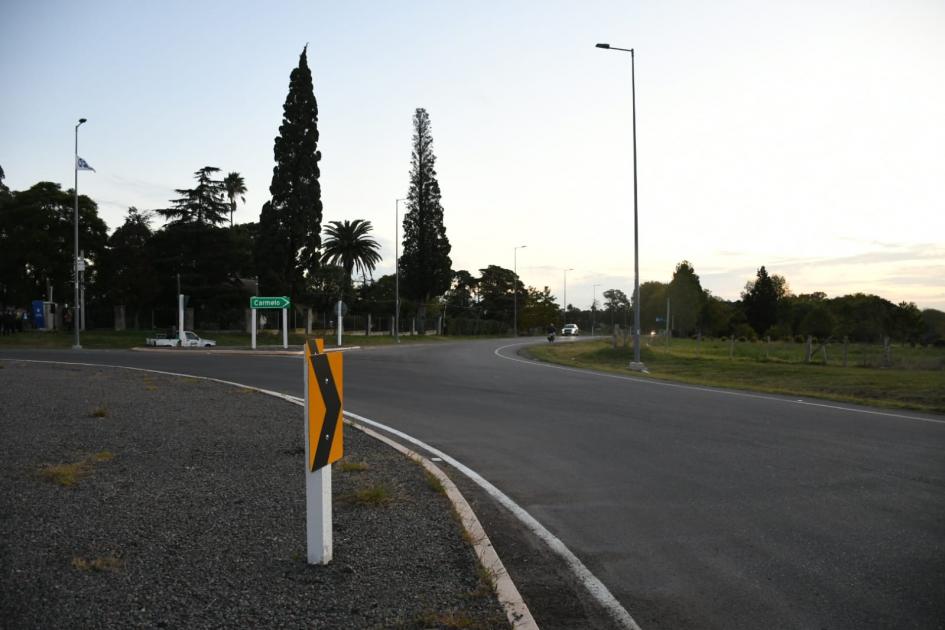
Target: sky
(808,137)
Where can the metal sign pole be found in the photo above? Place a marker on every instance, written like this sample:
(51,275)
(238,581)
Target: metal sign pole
(253,311)
(285,328)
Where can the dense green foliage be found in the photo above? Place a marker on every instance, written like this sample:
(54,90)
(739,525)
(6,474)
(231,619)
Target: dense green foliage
(290,223)
(425,264)
(37,233)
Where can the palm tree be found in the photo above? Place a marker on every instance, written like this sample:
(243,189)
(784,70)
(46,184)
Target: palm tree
(347,243)
(235,187)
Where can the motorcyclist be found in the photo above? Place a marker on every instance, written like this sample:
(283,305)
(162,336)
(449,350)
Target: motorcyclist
(551,332)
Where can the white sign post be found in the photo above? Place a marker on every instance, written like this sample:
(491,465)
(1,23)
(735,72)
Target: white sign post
(282,302)
(180,318)
(323,444)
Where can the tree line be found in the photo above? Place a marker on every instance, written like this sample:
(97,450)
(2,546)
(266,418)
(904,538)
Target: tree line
(200,251)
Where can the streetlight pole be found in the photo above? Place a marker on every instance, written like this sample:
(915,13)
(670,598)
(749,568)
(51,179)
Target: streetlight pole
(593,302)
(566,294)
(515,289)
(397,269)
(75,261)
(637,364)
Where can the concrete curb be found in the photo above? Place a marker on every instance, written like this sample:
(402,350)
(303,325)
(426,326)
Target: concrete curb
(515,608)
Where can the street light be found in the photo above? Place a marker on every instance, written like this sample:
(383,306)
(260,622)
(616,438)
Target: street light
(75,262)
(566,294)
(397,269)
(593,301)
(515,289)
(637,364)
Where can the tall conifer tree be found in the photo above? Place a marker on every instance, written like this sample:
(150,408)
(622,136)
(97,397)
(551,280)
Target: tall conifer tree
(425,264)
(295,213)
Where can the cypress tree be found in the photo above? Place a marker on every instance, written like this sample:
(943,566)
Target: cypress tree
(296,205)
(425,264)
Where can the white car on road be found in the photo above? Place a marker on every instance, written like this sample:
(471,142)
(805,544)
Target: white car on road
(570,330)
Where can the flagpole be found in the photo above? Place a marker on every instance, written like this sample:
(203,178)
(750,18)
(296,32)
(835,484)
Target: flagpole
(75,262)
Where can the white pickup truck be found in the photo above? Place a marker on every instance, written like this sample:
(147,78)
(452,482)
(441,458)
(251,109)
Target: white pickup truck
(191,340)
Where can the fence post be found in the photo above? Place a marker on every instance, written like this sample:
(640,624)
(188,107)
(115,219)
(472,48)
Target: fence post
(807,351)
(845,341)
(887,352)
(731,347)
(308,321)
(767,347)
(367,331)
(413,326)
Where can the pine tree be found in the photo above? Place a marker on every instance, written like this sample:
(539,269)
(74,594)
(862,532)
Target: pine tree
(296,205)
(760,301)
(425,263)
(203,204)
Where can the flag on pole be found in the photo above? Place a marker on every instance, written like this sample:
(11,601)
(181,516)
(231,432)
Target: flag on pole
(82,165)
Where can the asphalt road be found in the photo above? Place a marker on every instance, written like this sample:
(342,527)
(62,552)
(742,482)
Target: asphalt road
(697,508)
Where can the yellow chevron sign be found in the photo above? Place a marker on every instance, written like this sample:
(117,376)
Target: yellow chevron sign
(324,405)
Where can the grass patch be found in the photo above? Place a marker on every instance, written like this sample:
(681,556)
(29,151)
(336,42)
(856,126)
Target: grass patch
(486,584)
(756,368)
(100,564)
(67,475)
(434,482)
(372,496)
(99,412)
(352,466)
(451,619)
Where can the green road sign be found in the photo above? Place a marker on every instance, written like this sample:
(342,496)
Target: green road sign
(269,302)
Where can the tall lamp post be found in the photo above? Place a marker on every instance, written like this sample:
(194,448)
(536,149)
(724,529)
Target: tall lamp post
(593,302)
(515,289)
(566,294)
(397,269)
(637,364)
(75,262)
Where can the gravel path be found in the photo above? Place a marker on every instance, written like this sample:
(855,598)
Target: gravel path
(188,510)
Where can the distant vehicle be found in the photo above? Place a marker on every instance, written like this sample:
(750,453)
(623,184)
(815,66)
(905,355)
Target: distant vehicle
(570,330)
(191,340)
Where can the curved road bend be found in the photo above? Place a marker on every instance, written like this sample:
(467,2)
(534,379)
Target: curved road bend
(696,507)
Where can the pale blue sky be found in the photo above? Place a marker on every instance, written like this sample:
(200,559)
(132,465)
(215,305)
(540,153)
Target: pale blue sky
(804,136)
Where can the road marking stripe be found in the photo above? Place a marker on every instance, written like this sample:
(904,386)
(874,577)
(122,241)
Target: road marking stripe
(588,372)
(587,579)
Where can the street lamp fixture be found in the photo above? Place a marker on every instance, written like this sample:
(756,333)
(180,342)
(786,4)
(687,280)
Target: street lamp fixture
(637,364)
(76,312)
(515,289)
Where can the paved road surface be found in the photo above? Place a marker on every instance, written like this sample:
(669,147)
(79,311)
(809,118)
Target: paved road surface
(697,508)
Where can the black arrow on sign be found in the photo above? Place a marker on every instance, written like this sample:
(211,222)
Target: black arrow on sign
(329,392)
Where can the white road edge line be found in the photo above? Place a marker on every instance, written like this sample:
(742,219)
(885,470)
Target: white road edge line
(587,579)
(722,392)
(508,595)
(516,610)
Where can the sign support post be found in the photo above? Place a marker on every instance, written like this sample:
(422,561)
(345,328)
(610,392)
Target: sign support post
(323,444)
(257,302)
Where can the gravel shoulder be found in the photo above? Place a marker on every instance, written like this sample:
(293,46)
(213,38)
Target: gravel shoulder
(187,509)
